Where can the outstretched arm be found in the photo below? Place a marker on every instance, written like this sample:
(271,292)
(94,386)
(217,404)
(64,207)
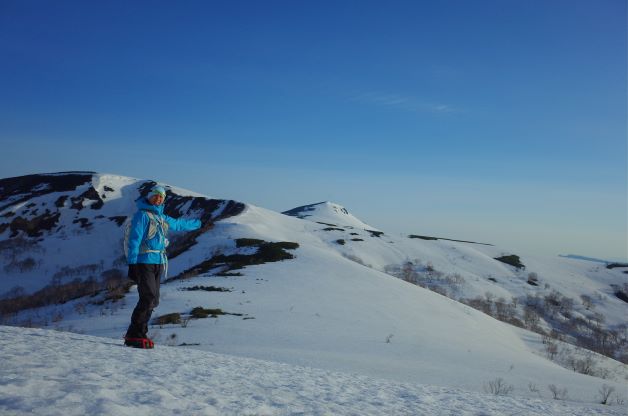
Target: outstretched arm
(182,224)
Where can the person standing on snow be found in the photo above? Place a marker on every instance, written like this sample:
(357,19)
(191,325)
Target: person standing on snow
(147,259)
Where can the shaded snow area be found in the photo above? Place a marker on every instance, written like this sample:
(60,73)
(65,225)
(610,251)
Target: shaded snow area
(46,372)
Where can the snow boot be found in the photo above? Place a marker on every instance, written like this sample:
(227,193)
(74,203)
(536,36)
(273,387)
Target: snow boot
(145,343)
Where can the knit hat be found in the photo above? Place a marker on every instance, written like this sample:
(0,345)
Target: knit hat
(156,190)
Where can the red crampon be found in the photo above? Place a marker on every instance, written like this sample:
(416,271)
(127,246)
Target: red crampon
(145,343)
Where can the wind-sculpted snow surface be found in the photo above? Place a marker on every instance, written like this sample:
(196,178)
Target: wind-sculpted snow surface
(55,373)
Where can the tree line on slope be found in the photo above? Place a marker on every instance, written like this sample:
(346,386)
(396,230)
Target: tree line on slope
(550,313)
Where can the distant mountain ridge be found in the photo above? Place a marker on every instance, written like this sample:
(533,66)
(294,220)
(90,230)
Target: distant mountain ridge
(593,259)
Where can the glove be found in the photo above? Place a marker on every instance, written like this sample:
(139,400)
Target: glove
(133,273)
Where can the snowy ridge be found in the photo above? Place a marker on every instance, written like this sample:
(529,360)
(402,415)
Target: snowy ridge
(55,373)
(74,220)
(330,214)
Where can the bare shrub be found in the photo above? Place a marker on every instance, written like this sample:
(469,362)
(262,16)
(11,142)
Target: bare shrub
(439,289)
(57,317)
(426,277)
(21,266)
(85,270)
(534,389)
(169,318)
(587,301)
(531,317)
(558,393)
(13,247)
(455,282)
(355,259)
(54,293)
(14,292)
(605,393)
(603,373)
(80,308)
(498,387)
(550,347)
(480,304)
(115,283)
(504,311)
(408,272)
(585,365)
(556,303)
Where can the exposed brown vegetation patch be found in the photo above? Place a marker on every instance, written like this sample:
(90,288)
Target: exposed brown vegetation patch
(113,285)
(60,202)
(22,188)
(199,313)
(621,292)
(333,229)
(248,242)
(35,226)
(169,318)
(512,260)
(425,237)
(422,237)
(119,219)
(266,253)
(84,222)
(205,289)
(91,195)
(614,265)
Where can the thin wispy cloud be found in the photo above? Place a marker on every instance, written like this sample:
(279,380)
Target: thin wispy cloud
(403,102)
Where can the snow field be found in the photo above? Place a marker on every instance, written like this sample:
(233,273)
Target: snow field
(55,373)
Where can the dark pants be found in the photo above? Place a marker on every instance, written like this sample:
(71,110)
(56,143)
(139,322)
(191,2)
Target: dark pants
(148,279)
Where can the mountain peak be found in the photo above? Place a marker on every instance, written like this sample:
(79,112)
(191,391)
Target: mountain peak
(327,212)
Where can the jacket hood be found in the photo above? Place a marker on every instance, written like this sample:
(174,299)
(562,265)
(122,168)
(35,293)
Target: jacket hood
(142,203)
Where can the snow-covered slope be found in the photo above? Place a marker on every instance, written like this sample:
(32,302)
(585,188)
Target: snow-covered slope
(55,373)
(330,214)
(70,225)
(329,303)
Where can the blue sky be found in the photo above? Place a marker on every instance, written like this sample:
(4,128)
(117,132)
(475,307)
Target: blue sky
(501,121)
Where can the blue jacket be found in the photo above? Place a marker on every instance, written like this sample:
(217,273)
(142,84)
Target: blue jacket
(139,233)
